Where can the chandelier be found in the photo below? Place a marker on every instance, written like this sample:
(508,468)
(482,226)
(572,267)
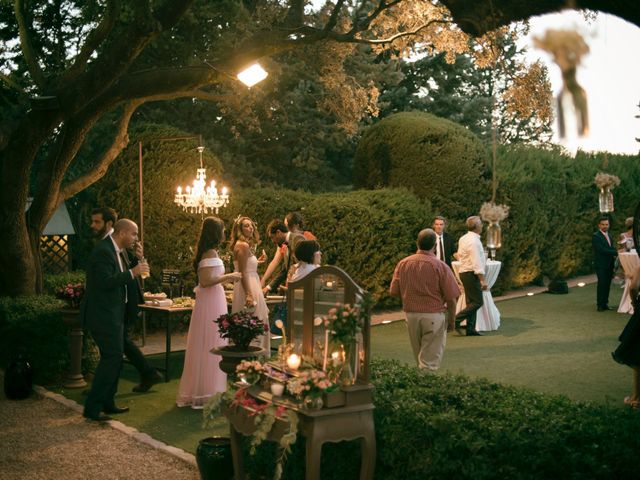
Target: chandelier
(201,198)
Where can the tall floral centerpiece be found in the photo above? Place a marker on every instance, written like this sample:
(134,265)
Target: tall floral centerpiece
(494,214)
(605,183)
(344,323)
(240,328)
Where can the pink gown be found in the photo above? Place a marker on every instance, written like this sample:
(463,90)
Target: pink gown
(201,375)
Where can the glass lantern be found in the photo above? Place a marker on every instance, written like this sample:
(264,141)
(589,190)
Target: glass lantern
(605,200)
(308,303)
(494,237)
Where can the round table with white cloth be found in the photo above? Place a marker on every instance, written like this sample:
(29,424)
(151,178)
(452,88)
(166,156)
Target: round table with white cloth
(630,263)
(488,316)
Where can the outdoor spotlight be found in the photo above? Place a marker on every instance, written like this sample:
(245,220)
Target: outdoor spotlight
(581,284)
(252,75)
(530,294)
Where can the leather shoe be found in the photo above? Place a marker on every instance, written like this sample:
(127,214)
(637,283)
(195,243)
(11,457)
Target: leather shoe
(473,333)
(147,382)
(604,309)
(97,417)
(116,410)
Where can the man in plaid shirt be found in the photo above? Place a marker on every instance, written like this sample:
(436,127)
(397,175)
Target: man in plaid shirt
(428,289)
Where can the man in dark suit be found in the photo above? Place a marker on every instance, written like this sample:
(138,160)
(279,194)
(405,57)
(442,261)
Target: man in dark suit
(103,312)
(444,242)
(102,221)
(605,254)
(286,242)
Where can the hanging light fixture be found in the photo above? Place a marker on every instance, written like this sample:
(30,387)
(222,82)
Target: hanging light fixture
(200,197)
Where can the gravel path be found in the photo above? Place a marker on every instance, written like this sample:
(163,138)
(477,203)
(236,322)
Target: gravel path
(41,438)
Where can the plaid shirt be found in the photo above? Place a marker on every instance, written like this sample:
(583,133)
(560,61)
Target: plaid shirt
(424,283)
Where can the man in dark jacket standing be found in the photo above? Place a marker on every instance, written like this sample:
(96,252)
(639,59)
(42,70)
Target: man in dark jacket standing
(103,311)
(604,258)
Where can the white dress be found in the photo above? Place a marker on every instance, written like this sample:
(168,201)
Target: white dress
(201,375)
(239,298)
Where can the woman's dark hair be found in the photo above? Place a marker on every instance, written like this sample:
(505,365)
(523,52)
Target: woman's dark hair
(211,236)
(306,249)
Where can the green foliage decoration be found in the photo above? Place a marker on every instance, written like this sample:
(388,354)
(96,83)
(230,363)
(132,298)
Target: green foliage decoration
(433,157)
(33,326)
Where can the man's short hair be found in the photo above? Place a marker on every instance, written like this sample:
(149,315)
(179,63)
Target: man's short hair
(426,239)
(472,222)
(603,218)
(275,225)
(628,223)
(295,219)
(439,217)
(108,214)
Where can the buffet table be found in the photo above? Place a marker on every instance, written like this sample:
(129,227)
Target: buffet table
(630,263)
(488,316)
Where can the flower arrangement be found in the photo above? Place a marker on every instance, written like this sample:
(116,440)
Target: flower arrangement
(605,180)
(72,294)
(249,371)
(344,322)
(310,383)
(241,328)
(265,416)
(490,212)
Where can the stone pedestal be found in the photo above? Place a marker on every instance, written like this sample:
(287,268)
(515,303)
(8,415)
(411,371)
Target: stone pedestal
(74,378)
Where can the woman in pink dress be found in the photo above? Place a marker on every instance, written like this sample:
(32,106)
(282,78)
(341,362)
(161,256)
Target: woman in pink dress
(201,375)
(247,294)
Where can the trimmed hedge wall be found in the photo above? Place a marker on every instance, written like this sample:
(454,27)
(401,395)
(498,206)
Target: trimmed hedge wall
(432,426)
(33,326)
(431,156)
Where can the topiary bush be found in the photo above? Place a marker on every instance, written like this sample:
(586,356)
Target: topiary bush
(432,426)
(33,325)
(435,158)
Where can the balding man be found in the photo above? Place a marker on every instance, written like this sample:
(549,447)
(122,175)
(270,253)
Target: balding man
(471,271)
(103,311)
(428,289)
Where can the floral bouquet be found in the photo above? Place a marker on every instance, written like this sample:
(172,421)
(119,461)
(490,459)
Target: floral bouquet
(72,294)
(249,371)
(490,212)
(605,180)
(241,328)
(310,383)
(344,323)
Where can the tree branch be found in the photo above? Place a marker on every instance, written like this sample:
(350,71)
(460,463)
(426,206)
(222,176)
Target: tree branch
(333,18)
(120,141)
(392,38)
(10,83)
(94,39)
(30,56)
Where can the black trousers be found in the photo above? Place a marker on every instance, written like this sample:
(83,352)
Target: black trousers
(605,275)
(473,295)
(105,382)
(135,356)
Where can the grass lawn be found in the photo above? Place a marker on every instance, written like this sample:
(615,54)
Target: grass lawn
(550,343)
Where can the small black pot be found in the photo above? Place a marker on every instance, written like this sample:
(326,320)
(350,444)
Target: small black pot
(214,458)
(18,379)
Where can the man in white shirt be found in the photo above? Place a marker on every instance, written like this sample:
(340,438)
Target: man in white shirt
(471,271)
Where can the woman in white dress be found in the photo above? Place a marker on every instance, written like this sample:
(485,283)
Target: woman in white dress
(201,375)
(309,258)
(248,292)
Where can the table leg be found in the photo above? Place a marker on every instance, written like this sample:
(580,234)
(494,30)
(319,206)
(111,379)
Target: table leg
(167,354)
(368,449)
(313,454)
(236,453)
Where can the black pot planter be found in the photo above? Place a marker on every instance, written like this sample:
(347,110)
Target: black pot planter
(18,379)
(214,458)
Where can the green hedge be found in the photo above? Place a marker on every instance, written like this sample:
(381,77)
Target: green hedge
(431,426)
(33,326)
(433,157)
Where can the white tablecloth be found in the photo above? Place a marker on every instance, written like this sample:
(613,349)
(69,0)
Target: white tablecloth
(488,316)
(630,263)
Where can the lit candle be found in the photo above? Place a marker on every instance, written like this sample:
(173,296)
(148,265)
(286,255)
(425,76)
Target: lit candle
(277,389)
(179,190)
(335,358)
(293,362)
(329,284)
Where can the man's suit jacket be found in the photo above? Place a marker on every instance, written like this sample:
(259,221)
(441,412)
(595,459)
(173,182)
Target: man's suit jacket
(604,254)
(289,259)
(449,248)
(103,306)
(134,290)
